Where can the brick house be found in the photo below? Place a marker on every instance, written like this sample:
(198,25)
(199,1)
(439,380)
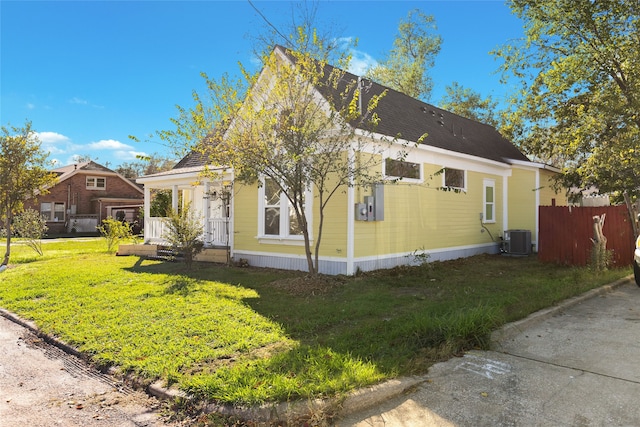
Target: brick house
(84,195)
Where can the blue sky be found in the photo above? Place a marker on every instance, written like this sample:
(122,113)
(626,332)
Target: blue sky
(88,74)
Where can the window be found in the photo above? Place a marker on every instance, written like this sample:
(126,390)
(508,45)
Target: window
(401,169)
(271,207)
(278,217)
(489,201)
(52,211)
(96,183)
(454,178)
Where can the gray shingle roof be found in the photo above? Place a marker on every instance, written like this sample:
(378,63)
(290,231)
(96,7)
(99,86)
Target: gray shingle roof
(193,159)
(409,118)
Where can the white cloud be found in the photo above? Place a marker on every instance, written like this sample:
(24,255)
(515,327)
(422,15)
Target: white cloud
(80,101)
(361,62)
(54,143)
(52,138)
(31,106)
(76,100)
(128,155)
(109,144)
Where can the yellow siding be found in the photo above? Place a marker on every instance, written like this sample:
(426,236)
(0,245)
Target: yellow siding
(421,216)
(334,236)
(522,200)
(547,194)
(245,219)
(417,216)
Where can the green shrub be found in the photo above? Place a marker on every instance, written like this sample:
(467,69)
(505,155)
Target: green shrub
(31,226)
(114,232)
(183,230)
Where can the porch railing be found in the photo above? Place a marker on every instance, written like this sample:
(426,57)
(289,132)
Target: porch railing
(216,234)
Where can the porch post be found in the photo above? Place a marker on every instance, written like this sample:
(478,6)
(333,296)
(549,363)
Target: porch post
(147,202)
(174,198)
(207,214)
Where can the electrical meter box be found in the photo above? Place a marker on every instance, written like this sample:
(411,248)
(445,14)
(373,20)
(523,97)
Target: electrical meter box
(373,207)
(361,212)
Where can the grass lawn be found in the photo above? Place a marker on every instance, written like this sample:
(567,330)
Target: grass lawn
(249,336)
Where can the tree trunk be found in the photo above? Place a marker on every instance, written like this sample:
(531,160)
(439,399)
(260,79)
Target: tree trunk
(599,251)
(7,253)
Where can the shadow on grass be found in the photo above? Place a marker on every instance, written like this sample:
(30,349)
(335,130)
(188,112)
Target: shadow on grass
(384,324)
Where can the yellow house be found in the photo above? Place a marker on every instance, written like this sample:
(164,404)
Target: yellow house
(463,190)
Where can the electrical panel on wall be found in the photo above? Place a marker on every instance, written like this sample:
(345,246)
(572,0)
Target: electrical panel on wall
(373,207)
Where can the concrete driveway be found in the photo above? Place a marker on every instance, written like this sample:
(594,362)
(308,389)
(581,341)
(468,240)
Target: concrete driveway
(577,367)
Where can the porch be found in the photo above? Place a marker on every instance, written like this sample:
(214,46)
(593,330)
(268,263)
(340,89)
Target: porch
(206,193)
(215,232)
(217,255)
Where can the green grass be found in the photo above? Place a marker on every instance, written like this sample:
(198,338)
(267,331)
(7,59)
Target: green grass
(249,335)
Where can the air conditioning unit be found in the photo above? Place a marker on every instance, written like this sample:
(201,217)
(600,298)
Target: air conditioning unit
(517,242)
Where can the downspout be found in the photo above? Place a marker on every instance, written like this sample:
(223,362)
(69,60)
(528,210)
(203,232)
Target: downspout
(68,208)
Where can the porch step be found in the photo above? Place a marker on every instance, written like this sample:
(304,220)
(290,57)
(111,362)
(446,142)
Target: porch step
(167,254)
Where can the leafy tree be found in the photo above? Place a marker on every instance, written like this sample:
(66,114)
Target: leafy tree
(273,128)
(160,203)
(114,232)
(470,104)
(145,165)
(406,66)
(579,98)
(183,231)
(31,226)
(303,33)
(22,174)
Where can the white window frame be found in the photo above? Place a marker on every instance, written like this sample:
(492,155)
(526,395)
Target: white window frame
(284,237)
(464,177)
(92,183)
(52,211)
(488,183)
(403,179)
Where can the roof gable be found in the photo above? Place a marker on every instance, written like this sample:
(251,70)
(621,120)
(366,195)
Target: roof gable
(66,172)
(407,118)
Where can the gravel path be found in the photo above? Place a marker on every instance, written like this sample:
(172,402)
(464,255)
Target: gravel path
(41,385)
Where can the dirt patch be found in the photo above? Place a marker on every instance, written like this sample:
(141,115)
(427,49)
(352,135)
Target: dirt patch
(309,285)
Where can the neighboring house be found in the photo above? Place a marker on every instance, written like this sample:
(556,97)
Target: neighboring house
(85,194)
(366,229)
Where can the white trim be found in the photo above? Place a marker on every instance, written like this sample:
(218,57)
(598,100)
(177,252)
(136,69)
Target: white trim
(535,165)
(339,265)
(428,251)
(95,185)
(486,183)
(505,203)
(537,208)
(444,177)
(429,149)
(372,257)
(284,205)
(351,226)
(400,178)
(286,241)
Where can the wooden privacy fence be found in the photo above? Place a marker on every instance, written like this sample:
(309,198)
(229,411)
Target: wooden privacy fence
(565,234)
